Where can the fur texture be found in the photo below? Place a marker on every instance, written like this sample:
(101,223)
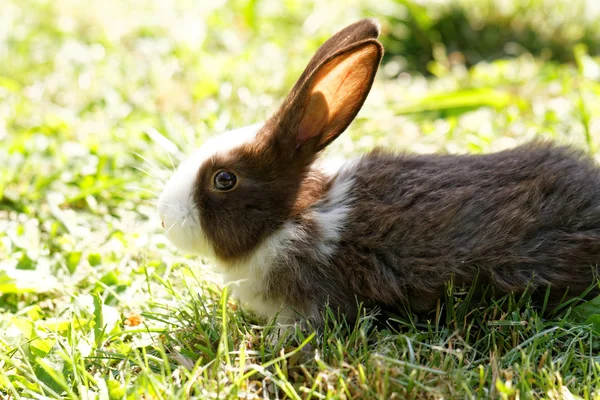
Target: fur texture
(385,229)
(527,216)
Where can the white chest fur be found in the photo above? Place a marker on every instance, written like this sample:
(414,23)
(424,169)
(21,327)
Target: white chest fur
(247,279)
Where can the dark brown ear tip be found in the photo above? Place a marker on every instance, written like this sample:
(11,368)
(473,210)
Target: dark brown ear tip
(367,28)
(374,24)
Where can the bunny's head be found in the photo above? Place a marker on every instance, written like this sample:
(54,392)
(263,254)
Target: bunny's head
(240,187)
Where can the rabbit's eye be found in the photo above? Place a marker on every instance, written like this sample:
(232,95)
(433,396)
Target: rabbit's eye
(224,180)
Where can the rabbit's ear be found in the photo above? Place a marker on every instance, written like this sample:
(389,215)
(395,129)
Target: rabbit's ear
(330,97)
(350,35)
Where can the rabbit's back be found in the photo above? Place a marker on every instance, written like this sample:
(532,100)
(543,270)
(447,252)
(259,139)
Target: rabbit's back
(526,215)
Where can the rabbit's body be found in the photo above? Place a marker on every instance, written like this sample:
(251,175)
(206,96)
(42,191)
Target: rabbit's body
(385,229)
(394,229)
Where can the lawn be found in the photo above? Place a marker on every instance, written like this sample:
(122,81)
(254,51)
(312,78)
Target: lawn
(99,101)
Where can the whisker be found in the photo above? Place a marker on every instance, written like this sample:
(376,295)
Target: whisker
(149,174)
(171,227)
(159,170)
(183,223)
(147,160)
(145,190)
(162,141)
(167,145)
(157,186)
(156,202)
(170,159)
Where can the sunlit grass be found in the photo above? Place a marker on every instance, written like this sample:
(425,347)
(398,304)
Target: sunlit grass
(99,103)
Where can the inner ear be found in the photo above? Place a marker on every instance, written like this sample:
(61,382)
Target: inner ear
(317,115)
(334,94)
(357,32)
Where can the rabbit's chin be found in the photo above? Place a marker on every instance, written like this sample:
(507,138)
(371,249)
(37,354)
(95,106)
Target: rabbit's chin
(190,238)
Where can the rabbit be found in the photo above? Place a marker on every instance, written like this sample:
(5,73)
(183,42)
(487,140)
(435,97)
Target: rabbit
(385,229)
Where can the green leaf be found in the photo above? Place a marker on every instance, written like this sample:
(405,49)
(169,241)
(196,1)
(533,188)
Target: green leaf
(110,279)
(586,310)
(41,347)
(25,263)
(95,259)
(24,325)
(115,390)
(98,320)
(459,100)
(50,371)
(73,259)
(594,320)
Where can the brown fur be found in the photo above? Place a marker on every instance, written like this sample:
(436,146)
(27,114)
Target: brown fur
(530,215)
(527,215)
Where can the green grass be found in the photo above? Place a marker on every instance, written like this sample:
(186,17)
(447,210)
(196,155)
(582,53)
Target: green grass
(96,100)
(471,31)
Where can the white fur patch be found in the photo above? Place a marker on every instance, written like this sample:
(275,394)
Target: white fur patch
(330,165)
(332,212)
(176,205)
(247,279)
